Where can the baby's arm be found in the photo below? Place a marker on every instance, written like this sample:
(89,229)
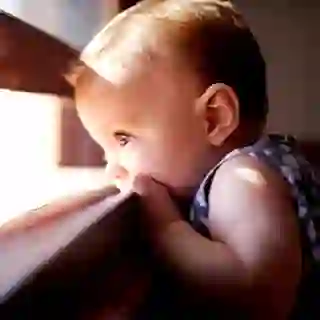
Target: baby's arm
(255,256)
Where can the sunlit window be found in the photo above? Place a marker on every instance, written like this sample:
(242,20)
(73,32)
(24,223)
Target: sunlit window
(29,174)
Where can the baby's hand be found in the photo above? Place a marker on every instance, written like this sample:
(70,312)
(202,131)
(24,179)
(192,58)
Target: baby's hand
(159,210)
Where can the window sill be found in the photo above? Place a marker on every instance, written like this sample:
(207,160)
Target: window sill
(23,191)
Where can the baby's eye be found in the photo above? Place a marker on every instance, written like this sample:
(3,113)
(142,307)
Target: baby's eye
(122,138)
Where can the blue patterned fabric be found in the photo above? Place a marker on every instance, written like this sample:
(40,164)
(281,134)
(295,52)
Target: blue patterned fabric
(280,153)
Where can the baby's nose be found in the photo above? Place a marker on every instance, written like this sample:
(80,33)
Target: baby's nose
(116,172)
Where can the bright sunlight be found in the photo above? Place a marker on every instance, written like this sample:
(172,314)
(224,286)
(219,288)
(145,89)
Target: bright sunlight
(29,175)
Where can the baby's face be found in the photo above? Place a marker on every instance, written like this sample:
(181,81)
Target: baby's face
(146,123)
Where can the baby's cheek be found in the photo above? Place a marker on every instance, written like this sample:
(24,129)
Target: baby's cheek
(134,162)
(145,162)
(155,159)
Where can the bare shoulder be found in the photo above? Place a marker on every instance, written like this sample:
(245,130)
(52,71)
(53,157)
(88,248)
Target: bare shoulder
(246,182)
(251,211)
(245,170)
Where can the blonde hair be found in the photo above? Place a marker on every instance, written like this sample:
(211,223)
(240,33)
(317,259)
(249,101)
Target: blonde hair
(209,36)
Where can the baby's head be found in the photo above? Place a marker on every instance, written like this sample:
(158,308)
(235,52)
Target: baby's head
(171,87)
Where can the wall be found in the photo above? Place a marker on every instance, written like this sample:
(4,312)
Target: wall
(289,34)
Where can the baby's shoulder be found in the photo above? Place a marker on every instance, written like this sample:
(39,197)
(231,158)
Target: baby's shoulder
(245,171)
(238,189)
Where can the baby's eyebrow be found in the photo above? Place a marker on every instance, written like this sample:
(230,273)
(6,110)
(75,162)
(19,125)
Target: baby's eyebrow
(121,133)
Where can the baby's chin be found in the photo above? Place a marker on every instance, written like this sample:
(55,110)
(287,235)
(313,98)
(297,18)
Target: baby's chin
(183,198)
(182,195)
(182,192)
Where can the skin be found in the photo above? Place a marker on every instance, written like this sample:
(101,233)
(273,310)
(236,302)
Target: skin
(161,134)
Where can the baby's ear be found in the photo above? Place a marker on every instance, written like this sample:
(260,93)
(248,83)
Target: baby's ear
(219,106)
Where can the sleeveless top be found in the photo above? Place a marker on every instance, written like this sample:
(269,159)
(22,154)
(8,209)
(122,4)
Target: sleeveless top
(281,154)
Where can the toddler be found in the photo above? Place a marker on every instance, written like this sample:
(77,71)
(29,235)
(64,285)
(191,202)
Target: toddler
(176,96)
